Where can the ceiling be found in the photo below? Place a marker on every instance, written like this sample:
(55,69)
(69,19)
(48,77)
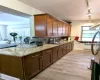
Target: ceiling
(8,19)
(67,9)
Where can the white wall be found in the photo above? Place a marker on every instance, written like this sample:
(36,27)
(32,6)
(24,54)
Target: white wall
(76,27)
(19,6)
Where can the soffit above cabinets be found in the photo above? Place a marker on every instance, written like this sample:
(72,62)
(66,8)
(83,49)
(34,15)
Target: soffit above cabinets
(67,9)
(6,19)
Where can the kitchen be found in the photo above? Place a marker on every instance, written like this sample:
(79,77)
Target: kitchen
(50,40)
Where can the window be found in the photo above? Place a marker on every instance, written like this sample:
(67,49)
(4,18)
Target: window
(87,34)
(25,31)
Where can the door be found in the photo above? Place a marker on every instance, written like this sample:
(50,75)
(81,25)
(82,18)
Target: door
(55,54)
(47,56)
(32,65)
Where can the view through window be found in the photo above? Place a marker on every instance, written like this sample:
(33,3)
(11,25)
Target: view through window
(88,34)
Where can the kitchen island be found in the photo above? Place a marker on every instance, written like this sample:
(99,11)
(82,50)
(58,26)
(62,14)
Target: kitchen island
(25,63)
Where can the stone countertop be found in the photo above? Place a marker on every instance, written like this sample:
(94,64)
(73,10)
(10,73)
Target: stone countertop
(20,51)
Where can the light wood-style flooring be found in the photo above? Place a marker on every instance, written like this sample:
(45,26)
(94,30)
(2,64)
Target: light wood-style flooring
(73,66)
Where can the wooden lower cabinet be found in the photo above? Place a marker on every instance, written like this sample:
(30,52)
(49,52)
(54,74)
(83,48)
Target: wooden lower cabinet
(32,65)
(46,58)
(27,67)
(60,51)
(0,63)
(12,66)
(55,54)
(64,49)
(68,47)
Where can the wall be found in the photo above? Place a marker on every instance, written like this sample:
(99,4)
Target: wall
(18,6)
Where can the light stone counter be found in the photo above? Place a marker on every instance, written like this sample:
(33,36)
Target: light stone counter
(22,51)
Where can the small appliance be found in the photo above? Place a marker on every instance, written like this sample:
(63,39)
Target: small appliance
(13,34)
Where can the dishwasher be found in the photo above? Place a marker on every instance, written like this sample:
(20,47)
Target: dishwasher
(95,63)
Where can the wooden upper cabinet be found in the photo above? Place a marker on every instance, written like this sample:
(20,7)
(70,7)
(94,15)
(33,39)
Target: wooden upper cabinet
(40,25)
(64,29)
(49,25)
(60,29)
(55,28)
(46,25)
(69,30)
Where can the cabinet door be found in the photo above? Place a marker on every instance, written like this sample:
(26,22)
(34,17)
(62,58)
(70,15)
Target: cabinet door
(49,26)
(69,30)
(60,52)
(49,29)
(40,25)
(12,66)
(32,65)
(64,29)
(60,29)
(0,63)
(64,49)
(55,28)
(47,56)
(55,54)
(69,47)
(72,45)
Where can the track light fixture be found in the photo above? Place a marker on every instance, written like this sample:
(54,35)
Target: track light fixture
(88,9)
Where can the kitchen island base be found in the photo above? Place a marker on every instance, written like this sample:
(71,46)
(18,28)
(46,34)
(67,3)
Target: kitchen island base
(26,67)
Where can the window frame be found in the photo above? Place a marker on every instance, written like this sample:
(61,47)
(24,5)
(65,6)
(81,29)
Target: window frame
(86,33)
